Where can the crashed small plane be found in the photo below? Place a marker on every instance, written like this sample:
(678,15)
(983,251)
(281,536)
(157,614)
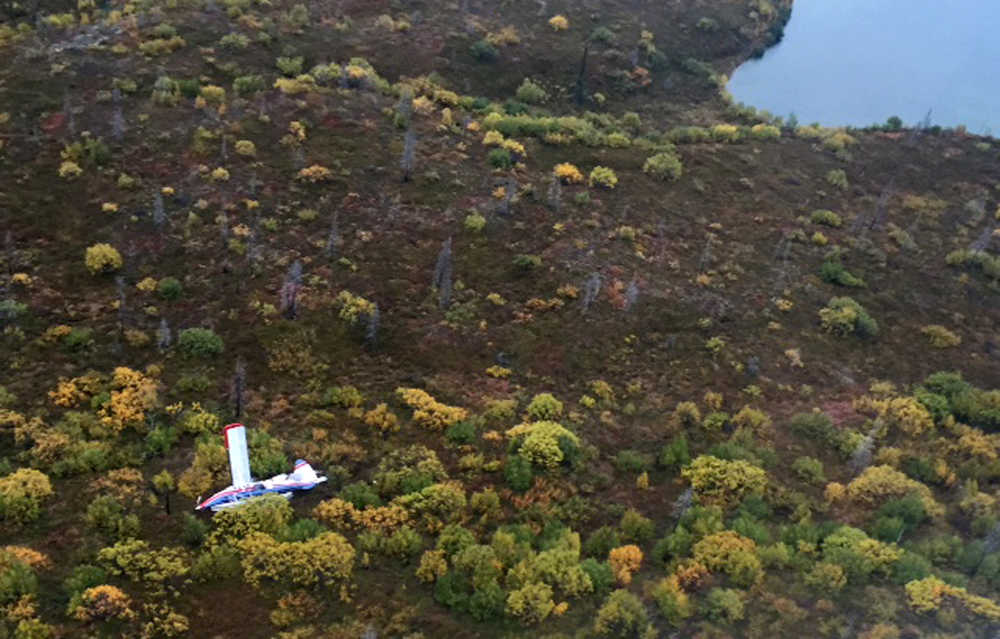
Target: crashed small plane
(244,487)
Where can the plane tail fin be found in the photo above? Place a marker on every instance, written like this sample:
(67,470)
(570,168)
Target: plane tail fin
(235,436)
(304,472)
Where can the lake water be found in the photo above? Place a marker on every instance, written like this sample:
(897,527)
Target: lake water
(857,62)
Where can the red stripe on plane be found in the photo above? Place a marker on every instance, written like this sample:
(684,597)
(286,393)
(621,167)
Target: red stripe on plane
(225,432)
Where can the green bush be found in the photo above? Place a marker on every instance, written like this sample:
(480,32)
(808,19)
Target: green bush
(600,573)
(809,469)
(817,427)
(169,288)
(83,576)
(633,462)
(361,495)
(844,316)
(601,541)
(487,602)
(724,604)
(463,432)
(405,542)
(200,342)
(837,178)
(160,440)
(517,471)
(531,92)
(303,530)
(603,35)
(544,406)
(78,339)
(11,309)
(752,528)
(826,218)
(484,51)
(217,563)
(635,528)
(290,66)
(675,455)
(500,159)
(910,567)
(16,579)
(834,272)
(527,262)
(247,84)
(107,516)
(622,615)
(978,408)
(665,166)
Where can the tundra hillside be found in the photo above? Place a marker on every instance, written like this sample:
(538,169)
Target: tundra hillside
(585,349)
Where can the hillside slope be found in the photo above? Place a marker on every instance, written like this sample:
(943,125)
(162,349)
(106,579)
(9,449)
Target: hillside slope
(586,349)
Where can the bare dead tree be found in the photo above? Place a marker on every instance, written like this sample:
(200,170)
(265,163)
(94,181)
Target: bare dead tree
(442,275)
(70,116)
(8,249)
(120,328)
(706,257)
(992,541)
(882,206)
(298,157)
(289,293)
(861,458)
(118,127)
(982,242)
(163,336)
(554,195)
(631,295)
(580,93)
(682,504)
(404,108)
(239,384)
(372,323)
(510,190)
(591,288)
(409,151)
(333,237)
(159,210)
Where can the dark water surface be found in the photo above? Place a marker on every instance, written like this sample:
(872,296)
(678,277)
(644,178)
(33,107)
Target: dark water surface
(857,62)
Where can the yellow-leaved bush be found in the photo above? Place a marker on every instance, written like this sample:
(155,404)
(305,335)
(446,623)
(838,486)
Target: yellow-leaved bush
(103,602)
(723,482)
(624,561)
(925,595)
(327,559)
(132,395)
(21,494)
(568,173)
(102,258)
(731,553)
(344,515)
(904,414)
(381,419)
(879,483)
(539,441)
(428,412)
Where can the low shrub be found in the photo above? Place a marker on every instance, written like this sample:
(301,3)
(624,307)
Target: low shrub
(826,218)
(531,92)
(834,272)
(102,258)
(665,166)
(485,51)
(169,288)
(603,176)
(200,342)
(844,316)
